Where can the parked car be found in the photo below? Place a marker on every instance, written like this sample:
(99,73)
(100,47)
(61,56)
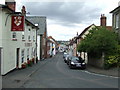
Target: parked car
(64,55)
(66,58)
(75,62)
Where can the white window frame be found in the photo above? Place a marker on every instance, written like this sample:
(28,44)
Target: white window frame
(28,53)
(29,37)
(14,35)
(23,36)
(117,21)
(22,55)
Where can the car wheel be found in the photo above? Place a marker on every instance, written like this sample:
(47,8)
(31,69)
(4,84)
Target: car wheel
(70,66)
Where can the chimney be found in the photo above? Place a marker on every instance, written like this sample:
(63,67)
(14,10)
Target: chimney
(11,4)
(103,20)
(23,10)
(77,33)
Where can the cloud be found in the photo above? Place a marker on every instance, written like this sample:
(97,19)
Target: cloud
(65,19)
(64,13)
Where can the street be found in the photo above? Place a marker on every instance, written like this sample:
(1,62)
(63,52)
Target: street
(56,74)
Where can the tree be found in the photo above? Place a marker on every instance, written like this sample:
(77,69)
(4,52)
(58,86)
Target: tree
(99,40)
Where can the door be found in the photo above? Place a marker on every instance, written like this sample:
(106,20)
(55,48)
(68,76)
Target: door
(17,57)
(0,59)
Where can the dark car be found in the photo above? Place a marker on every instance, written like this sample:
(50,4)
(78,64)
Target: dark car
(75,62)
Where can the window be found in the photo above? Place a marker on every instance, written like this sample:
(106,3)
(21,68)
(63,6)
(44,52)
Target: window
(23,36)
(29,37)
(117,21)
(22,55)
(29,29)
(28,53)
(33,38)
(14,35)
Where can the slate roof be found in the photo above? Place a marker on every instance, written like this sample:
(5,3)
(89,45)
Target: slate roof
(41,21)
(6,7)
(116,9)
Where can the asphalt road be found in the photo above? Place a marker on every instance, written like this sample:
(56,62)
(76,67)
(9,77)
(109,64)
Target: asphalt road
(56,74)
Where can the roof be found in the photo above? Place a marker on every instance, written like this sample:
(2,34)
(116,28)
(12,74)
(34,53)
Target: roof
(85,30)
(13,12)
(107,27)
(5,7)
(115,10)
(41,21)
(50,37)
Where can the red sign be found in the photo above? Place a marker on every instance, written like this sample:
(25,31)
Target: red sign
(17,23)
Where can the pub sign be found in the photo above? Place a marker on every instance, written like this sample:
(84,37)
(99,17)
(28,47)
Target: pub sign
(17,23)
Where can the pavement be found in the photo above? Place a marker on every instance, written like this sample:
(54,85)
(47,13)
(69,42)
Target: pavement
(109,72)
(17,78)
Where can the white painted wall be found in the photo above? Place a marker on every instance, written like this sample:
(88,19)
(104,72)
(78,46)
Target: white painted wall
(10,46)
(83,36)
(0,29)
(38,47)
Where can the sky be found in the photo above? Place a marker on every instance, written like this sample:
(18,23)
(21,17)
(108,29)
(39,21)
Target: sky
(67,17)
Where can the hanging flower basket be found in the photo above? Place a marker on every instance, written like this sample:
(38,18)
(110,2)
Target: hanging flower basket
(29,62)
(33,60)
(24,65)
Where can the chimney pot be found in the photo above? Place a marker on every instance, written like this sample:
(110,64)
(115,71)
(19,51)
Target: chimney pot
(23,10)
(103,20)
(11,4)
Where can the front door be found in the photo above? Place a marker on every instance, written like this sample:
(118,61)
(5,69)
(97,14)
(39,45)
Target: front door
(0,59)
(17,57)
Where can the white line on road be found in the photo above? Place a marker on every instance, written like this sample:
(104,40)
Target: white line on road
(99,74)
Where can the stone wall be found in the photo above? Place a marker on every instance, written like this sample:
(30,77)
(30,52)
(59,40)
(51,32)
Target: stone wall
(96,61)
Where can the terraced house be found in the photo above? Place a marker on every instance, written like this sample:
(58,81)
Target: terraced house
(116,19)
(17,38)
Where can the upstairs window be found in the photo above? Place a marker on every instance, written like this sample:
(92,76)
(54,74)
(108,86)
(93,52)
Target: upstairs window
(33,38)
(29,29)
(29,37)
(23,36)
(14,35)
(117,21)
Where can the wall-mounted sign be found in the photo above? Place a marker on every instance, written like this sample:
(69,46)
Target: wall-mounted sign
(28,44)
(17,23)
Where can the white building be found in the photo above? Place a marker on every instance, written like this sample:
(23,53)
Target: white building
(16,47)
(41,35)
(53,46)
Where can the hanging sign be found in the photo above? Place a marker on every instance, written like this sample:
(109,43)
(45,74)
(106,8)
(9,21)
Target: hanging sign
(17,23)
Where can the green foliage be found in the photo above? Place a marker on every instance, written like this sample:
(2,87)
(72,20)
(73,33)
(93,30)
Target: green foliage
(99,40)
(111,61)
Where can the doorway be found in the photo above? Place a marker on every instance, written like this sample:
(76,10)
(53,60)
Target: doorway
(0,59)
(17,57)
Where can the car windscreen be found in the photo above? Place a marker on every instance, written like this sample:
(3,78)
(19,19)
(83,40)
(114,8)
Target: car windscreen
(75,59)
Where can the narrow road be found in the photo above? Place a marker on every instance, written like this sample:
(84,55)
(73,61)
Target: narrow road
(56,74)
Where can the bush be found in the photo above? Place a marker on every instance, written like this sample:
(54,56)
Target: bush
(29,62)
(111,61)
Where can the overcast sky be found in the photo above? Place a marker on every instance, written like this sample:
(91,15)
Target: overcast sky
(67,17)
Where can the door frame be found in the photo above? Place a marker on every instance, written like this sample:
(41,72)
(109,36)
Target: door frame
(17,57)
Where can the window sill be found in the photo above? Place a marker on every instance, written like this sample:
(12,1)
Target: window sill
(23,40)
(14,39)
